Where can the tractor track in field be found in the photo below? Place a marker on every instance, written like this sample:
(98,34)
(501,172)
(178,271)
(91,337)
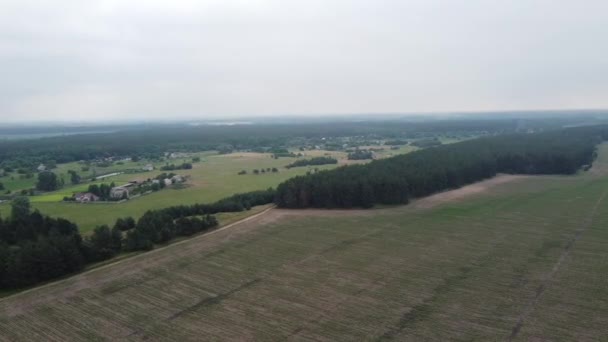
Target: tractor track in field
(563,256)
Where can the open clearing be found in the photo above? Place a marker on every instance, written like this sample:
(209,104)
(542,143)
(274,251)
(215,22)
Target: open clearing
(476,268)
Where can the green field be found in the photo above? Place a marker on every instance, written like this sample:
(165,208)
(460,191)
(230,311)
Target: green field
(210,180)
(523,260)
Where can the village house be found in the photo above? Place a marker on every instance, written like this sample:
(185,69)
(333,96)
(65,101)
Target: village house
(148,167)
(85,197)
(41,168)
(168,181)
(177,179)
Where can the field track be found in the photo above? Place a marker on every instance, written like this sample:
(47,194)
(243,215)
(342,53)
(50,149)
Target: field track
(562,257)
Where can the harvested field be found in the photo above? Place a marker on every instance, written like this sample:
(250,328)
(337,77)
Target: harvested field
(468,269)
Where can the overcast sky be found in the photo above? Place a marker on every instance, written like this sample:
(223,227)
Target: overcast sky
(157,59)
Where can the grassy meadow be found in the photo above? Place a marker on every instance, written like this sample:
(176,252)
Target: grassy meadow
(524,260)
(215,177)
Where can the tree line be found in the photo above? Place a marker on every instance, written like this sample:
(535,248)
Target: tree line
(172,167)
(395,180)
(313,161)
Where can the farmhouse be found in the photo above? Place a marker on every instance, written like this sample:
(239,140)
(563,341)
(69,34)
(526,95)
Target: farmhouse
(168,181)
(148,167)
(84,197)
(119,192)
(41,168)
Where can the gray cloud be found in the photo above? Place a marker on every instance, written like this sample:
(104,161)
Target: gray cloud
(100,60)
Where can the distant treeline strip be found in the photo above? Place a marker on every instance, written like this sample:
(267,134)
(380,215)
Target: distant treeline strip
(395,180)
(154,141)
(36,248)
(313,161)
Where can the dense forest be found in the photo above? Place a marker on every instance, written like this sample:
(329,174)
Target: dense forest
(153,142)
(395,180)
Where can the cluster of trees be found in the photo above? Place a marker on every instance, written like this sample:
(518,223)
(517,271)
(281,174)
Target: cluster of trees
(258,171)
(48,181)
(124,224)
(421,173)
(313,161)
(165,175)
(283,153)
(35,248)
(104,243)
(74,177)
(158,226)
(102,190)
(360,155)
(172,167)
